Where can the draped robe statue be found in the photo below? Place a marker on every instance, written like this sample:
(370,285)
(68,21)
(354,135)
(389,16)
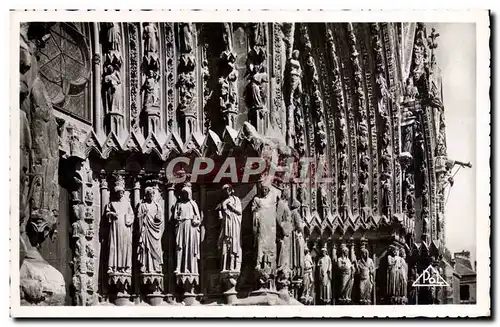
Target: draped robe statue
(264,228)
(121,217)
(308,277)
(151,224)
(230,212)
(366,269)
(298,242)
(346,269)
(187,234)
(325,277)
(403,281)
(394,275)
(285,230)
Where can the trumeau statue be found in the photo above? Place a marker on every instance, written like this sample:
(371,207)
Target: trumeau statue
(347,270)
(187,231)
(264,228)
(366,270)
(325,277)
(121,217)
(151,224)
(230,212)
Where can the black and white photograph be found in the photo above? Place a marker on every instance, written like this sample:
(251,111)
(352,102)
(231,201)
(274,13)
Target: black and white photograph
(250,165)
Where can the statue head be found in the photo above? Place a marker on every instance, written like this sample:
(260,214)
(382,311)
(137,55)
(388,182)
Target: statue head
(306,251)
(295,204)
(228,190)
(324,251)
(344,251)
(364,253)
(119,186)
(402,253)
(295,54)
(149,193)
(186,193)
(285,194)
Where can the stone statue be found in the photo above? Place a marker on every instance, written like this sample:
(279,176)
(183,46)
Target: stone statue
(186,41)
(308,278)
(346,270)
(298,243)
(366,271)
(121,217)
(257,34)
(285,229)
(403,282)
(230,212)
(187,233)
(151,90)
(151,224)
(295,75)
(254,93)
(411,91)
(150,37)
(386,195)
(112,90)
(394,276)
(227,37)
(325,277)
(264,230)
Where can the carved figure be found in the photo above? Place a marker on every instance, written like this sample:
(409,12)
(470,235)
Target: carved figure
(230,212)
(298,243)
(325,277)
(403,280)
(150,37)
(308,278)
(366,271)
(285,229)
(394,274)
(295,75)
(121,217)
(264,228)
(186,41)
(411,91)
(227,37)
(254,94)
(386,194)
(187,233)
(151,90)
(112,90)
(346,270)
(151,224)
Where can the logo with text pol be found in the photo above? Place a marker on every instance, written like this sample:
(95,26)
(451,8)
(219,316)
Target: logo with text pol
(430,277)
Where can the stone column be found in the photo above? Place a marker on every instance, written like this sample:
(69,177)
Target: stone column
(97,83)
(136,199)
(169,230)
(104,192)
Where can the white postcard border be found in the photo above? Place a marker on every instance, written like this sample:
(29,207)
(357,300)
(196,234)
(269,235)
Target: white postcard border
(483,305)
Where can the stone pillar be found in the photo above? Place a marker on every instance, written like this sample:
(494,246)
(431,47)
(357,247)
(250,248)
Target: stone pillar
(104,192)
(97,83)
(170,231)
(136,199)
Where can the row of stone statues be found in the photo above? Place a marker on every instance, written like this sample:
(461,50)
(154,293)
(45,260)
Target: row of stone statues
(282,256)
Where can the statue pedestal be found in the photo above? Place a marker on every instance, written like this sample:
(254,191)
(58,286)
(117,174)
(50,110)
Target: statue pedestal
(120,285)
(188,283)
(152,283)
(229,280)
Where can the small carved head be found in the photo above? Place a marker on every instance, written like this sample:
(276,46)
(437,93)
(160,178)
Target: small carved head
(402,253)
(149,193)
(228,190)
(295,54)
